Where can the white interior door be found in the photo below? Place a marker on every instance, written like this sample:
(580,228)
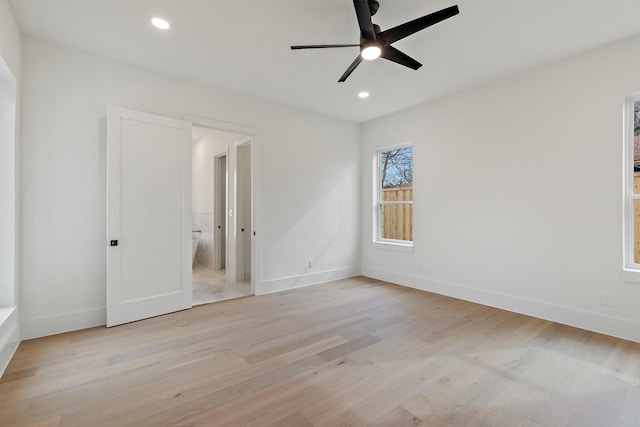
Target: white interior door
(243,212)
(220,183)
(148,215)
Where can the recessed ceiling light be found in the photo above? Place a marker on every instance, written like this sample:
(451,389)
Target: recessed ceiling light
(160,23)
(363,94)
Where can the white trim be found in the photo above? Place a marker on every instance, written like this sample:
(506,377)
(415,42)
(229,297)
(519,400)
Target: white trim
(397,245)
(5,313)
(292,282)
(628,184)
(610,325)
(631,276)
(65,322)
(222,125)
(394,146)
(396,202)
(9,336)
(9,187)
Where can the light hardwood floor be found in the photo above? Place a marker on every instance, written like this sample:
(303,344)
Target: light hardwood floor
(356,352)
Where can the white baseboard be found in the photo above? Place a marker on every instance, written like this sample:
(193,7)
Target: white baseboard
(76,320)
(65,322)
(609,325)
(292,282)
(9,336)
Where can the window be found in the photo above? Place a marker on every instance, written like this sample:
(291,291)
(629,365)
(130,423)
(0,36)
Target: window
(394,190)
(632,183)
(8,190)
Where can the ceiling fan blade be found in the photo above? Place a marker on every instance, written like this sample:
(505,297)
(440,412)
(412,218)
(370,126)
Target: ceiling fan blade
(352,67)
(401,31)
(322,46)
(364,19)
(393,54)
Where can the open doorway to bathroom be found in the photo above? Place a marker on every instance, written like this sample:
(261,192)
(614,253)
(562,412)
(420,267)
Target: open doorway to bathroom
(217,169)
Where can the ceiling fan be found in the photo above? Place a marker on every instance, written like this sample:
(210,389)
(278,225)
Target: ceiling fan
(375,43)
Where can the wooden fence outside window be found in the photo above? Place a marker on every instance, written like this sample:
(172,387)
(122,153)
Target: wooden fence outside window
(397,219)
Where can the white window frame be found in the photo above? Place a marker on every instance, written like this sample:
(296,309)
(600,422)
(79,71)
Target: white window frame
(631,270)
(378,240)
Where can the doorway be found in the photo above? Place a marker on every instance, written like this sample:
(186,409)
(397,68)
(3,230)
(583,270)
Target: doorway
(220,176)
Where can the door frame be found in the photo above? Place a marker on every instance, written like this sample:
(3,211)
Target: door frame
(219,211)
(254,134)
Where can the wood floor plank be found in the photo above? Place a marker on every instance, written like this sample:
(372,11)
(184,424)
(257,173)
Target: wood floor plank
(18,375)
(356,352)
(295,420)
(311,349)
(348,347)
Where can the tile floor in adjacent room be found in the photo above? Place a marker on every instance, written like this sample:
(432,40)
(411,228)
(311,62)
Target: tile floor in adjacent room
(211,286)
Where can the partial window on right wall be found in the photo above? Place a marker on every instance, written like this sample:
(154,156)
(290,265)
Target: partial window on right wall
(632,183)
(394,192)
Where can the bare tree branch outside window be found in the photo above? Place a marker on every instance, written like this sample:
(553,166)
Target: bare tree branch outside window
(636,118)
(396,167)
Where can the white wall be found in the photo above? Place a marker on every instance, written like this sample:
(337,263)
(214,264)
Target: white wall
(10,83)
(309,185)
(518,192)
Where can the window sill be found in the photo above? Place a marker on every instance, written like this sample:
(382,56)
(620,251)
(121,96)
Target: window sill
(5,312)
(397,247)
(632,276)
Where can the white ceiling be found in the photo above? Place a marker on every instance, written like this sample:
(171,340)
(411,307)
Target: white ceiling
(244,45)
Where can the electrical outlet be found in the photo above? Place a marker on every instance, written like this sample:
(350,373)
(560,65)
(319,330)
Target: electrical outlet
(606,299)
(310,263)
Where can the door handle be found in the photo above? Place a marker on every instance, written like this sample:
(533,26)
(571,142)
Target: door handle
(113,243)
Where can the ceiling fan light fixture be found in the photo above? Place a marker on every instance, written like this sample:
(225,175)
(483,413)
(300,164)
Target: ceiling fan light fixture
(371,52)
(363,94)
(161,24)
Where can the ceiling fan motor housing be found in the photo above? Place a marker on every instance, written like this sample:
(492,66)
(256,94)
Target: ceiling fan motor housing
(373,6)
